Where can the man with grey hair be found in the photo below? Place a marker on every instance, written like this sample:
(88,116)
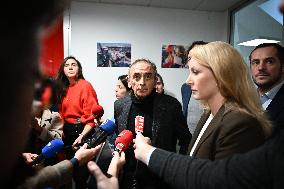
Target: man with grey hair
(157,116)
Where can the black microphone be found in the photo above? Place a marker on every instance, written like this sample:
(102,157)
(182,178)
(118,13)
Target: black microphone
(50,150)
(105,129)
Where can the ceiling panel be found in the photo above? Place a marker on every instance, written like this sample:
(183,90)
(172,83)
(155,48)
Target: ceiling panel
(128,2)
(203,5)
(217,5)
(176,4)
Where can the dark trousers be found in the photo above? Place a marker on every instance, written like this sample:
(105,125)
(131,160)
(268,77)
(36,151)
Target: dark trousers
(71,133)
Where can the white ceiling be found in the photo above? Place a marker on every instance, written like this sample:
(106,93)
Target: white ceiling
(202,5)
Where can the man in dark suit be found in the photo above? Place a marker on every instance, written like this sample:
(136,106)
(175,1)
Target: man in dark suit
(160,117)
(267,68)
(185,95)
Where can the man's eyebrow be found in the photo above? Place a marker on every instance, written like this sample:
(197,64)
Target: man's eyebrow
(266,58)
(271,57)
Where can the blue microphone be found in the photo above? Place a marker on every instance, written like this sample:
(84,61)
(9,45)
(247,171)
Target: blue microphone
(50,150)
(105,129)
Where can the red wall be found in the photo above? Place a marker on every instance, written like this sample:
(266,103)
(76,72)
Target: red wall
(52,50)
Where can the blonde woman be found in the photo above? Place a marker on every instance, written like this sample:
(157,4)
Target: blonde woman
(233,121)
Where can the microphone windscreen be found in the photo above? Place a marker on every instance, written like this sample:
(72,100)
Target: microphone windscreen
(52,148)
(125,138)
(97,110)
(108,126)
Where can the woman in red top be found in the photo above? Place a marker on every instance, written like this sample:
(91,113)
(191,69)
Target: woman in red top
(78,105)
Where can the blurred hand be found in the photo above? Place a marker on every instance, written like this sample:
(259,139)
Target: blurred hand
(98,121)
(142,147)
(77,141)
(103,181)
(117,161)
(84,155)
(35,125)
(29,157)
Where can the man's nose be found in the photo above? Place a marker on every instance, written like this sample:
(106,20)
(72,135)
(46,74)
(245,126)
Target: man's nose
(142,81)
(261,66)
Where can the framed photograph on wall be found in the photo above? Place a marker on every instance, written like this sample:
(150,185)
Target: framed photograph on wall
(113,54)
(174,56)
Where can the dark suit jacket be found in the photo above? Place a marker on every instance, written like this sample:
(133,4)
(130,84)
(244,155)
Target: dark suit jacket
(185,95)
(275,110)
(169,125)
(260,168)
(229,132)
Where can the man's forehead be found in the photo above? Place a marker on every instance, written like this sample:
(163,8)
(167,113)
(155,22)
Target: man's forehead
(141,67)
(264,52)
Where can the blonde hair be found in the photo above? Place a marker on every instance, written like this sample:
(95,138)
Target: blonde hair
(233,79)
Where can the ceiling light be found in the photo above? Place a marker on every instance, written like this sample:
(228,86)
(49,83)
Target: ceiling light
(255,42)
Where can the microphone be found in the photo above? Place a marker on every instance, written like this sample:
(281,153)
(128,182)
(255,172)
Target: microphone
(105,129)
(50,150)
(139,124)
(123,140)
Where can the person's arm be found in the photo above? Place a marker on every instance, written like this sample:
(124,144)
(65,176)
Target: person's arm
(61,173)
(250,170)
(90,106)
(91,110)
(86,130)
(51,176)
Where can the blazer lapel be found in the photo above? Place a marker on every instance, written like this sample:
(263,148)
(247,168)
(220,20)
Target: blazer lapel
(212,125)
(198,128)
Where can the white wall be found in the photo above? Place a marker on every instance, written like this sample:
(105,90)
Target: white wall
(147,29)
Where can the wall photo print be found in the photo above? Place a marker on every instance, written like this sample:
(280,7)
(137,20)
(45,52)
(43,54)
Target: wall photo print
(174,56)
(113,54)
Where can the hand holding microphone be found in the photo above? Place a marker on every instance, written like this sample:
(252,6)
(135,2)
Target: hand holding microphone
(50,150)
(84,155)
(105,129)
(110,180)
(142,147)
(29,157)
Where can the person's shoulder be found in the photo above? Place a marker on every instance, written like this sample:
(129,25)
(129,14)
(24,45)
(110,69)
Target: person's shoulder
(280,93)
(241,118)
(85,84)
(121,101)
(165,98)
